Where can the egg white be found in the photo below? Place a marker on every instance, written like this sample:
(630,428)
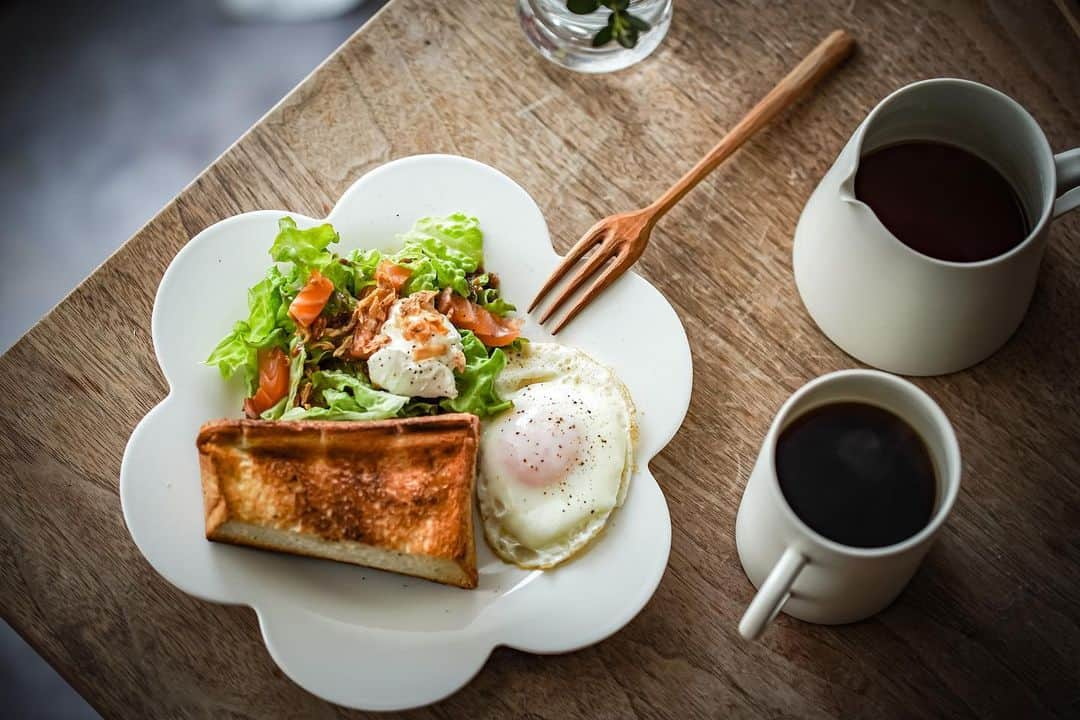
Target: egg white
(573,420)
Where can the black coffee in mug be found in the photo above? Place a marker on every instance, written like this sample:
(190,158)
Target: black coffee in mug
(942,201)
(857,474)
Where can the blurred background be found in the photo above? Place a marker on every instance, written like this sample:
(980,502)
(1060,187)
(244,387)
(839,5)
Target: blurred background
(111,108)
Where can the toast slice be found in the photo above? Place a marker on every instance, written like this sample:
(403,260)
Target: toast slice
(390,494)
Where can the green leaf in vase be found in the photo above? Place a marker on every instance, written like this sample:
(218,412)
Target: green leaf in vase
(637,23)
(582,7)
(628,37)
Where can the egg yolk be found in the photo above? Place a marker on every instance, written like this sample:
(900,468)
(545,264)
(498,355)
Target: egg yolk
(539,446)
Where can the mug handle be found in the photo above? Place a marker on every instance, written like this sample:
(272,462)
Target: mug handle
(1068,181)
(772,594)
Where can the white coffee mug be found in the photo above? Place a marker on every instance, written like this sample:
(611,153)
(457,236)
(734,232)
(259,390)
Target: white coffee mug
(893,307)
(807,575)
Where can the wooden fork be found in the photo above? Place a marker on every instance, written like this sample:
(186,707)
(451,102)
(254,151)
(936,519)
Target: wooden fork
(618,240)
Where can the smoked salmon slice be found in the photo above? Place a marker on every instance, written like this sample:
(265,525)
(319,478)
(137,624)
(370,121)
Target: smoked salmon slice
(490,329)
(389,274)
(273,382)
(311,299)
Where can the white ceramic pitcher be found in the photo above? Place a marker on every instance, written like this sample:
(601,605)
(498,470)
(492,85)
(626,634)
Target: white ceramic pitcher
(893,307)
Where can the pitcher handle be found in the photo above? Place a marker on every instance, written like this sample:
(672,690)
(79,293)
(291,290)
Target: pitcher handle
(772,594)
(1068,181)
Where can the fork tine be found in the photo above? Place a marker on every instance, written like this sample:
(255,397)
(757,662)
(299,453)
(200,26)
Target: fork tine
(594,263)
(612,273)
(582,246)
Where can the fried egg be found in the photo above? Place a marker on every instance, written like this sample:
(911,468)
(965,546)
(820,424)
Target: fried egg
(555,466)
(421,351)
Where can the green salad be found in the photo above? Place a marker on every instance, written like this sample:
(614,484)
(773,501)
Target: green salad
(428,322)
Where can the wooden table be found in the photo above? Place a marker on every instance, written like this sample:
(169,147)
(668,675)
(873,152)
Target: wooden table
(989,626)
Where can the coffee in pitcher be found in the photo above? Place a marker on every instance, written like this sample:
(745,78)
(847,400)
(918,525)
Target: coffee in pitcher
(942,201)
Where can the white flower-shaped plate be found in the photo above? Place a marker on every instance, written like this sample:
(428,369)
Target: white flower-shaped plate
(365,638)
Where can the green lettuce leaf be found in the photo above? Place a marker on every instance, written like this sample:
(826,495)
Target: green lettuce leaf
(304,248)
(441,252)
(476,383)
(455,238)
(419,406)
(488,296)
(234,355)
(275,412)
(307,250)
(363,264)
(474,350)
(430,273)
(491,300)
(347,397)
(518,344)
(268,325)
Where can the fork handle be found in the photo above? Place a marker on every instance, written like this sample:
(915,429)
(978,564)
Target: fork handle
(832,51)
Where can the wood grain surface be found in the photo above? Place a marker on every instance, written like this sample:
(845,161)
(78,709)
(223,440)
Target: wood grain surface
(988,627)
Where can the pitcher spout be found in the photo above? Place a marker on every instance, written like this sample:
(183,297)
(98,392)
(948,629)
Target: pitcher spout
(847,185)
(848,165)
